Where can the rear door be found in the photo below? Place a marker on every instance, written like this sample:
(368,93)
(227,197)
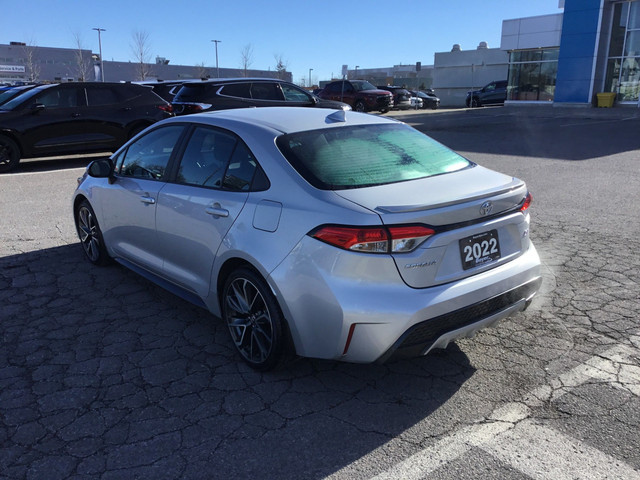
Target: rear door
(107,114)
(197,209)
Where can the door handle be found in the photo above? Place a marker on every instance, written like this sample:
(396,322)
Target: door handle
(75,115)
(216,211)
(147,200)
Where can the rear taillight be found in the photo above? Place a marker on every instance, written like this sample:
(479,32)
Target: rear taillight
(527,202)
(166,108)
(396,239)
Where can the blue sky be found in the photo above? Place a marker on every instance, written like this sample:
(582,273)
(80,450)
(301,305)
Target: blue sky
(321,35)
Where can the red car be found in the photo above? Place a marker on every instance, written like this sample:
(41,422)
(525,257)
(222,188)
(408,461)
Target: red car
(360,94)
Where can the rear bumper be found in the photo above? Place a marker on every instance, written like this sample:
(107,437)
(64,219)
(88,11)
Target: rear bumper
(343,309)
(438,332)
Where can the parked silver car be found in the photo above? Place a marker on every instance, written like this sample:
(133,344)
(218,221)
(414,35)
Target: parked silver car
(337,234)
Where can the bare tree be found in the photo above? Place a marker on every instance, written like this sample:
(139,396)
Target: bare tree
(82,63)
(202,72)
(31,60)
(142,53)
(281,66)
(246,56)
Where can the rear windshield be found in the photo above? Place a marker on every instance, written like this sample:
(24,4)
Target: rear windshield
(367,155)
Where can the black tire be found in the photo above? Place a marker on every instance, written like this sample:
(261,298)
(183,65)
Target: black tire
(475,103)
(360,106)
(9,154)
(90,234)
(254,319)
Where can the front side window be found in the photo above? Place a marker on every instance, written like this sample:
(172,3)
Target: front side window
(58,98)
(149,155)
(293,94)
(363,85)
(368,155)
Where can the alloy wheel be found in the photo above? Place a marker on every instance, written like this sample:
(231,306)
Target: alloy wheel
(249,320)
(89,233)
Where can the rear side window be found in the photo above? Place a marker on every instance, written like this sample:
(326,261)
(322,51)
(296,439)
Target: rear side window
(217,159)
(241,90)
(98,96)
(266,91)
(368,155)
(206,157)
(194,92)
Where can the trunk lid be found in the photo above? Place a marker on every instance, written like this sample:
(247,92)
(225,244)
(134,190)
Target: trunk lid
(473,205)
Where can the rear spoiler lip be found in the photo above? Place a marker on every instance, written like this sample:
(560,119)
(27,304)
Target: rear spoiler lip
(513,186)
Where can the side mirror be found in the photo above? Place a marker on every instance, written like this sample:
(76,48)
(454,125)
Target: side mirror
(37,107)
(102,168)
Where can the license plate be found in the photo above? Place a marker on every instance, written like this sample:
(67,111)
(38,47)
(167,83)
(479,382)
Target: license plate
(479,249)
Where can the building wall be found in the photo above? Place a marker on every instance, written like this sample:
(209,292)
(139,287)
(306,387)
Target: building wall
(531,32)
(130,71)
(458,71)
(24,63)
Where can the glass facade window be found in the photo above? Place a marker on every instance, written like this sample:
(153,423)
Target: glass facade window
(532,74)
(623,64)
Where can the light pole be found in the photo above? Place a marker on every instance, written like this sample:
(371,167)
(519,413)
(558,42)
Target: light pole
(100,48)
(356,74)
(217,69)
(310,70)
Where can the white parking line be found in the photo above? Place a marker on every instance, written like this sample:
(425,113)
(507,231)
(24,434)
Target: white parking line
(508,431)
(542,453)
(20,174)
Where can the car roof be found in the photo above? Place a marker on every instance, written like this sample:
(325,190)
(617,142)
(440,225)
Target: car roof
(235,80)
(285,119)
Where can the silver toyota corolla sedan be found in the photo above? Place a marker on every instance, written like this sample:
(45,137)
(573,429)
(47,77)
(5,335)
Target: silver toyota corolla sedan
(327,234)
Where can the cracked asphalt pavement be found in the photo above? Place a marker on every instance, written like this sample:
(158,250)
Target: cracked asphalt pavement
(104,375)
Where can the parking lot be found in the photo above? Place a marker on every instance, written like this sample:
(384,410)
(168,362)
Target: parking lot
(104,375)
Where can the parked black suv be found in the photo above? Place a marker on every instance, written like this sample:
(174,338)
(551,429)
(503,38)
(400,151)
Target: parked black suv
(67,118)
(494,93)
(360,94)
(222,94)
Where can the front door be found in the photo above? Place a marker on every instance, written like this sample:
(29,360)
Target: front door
(129,217)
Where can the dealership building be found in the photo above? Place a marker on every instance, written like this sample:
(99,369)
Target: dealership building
(564,58)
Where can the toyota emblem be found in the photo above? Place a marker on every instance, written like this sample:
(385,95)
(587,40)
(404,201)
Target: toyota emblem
(486,208)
